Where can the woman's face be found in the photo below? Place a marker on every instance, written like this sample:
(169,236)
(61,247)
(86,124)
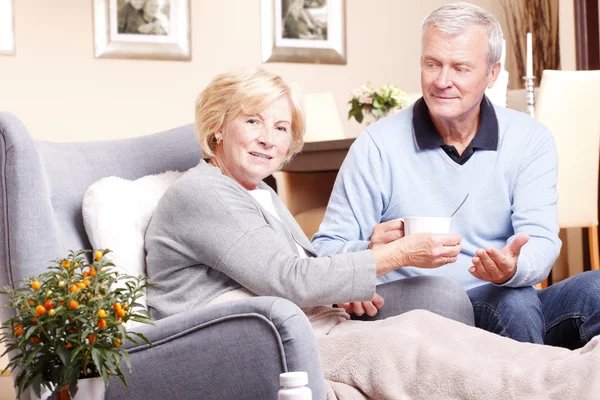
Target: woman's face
(254,146)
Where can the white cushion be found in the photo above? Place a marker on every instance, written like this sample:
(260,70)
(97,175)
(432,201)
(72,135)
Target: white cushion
(116,213)
(497,93)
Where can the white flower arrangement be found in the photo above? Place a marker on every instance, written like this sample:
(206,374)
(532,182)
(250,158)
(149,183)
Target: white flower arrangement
(377,103)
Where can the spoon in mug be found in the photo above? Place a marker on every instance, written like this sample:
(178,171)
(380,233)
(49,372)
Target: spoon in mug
(460,205)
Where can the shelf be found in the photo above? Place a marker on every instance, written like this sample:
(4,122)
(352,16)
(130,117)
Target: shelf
(320,156)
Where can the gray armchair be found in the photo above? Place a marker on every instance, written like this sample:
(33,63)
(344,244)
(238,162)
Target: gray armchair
(232,350)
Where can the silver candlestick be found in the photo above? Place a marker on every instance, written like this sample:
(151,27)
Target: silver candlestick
(529,86)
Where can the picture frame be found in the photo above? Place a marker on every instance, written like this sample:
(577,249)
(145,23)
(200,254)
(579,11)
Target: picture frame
(142,29)
(304,31)
(7,27)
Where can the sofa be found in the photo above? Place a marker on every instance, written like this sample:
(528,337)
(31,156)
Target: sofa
(233,350)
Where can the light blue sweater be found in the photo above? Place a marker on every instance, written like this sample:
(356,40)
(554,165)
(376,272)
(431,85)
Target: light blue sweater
(512,190)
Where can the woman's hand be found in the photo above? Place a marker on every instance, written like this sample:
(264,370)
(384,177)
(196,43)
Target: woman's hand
(361,307)
(423,250)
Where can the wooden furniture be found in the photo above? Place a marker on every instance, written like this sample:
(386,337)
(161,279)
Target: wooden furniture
(306,182)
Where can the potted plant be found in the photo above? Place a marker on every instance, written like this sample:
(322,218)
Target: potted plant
(376,103)
(70,324)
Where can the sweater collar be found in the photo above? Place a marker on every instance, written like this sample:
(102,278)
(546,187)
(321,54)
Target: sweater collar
(427,137)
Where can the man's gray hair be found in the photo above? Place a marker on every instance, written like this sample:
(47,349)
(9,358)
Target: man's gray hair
(455,18)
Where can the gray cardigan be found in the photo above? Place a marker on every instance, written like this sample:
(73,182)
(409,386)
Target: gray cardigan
(209,236)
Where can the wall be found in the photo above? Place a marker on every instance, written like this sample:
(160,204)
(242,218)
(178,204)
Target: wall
(62,93)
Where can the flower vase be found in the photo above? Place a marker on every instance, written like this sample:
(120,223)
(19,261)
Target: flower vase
(370,117)
(62,394)
(87,389)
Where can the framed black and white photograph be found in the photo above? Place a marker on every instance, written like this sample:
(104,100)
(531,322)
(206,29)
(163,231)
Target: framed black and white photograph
(303,31)
(7,28)
(142,29)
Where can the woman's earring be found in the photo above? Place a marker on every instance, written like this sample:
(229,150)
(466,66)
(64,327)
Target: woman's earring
(218,139)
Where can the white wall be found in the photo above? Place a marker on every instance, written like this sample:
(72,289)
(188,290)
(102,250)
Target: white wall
(62,93)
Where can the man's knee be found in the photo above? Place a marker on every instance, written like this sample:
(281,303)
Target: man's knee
(437,294)
(501,298)
(581,291)
(512,312)
(585,283)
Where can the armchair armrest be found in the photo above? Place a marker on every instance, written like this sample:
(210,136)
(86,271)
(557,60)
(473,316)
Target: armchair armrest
(233,350)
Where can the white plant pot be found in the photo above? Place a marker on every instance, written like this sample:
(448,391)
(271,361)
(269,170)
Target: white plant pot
(88,389)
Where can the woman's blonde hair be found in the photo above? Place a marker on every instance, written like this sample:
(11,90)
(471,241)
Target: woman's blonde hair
(250,90)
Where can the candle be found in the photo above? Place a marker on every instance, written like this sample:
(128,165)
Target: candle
(529,69)
(503,55)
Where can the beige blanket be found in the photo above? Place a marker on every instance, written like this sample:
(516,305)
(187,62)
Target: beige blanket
(419,355)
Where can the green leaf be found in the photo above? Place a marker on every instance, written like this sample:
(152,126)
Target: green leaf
(14,363)
(142,337)
(12,347)
(36,384)
(122,329)
(137,316)
(132,340)
(123,380)
(30,331)
(359,116)
(31,356)
(126,358)
(147,285)
(64,355)
(111,362)
(73,385)
(76,351)
(136,305)
(104,378)
(143,320)
(21,381)
(98,359)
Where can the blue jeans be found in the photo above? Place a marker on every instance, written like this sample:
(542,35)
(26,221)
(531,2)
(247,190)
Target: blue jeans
(566,314)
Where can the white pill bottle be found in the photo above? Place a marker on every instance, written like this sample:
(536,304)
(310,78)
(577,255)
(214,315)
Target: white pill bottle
(294,386)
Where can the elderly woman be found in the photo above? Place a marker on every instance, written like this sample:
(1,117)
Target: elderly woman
(219,228)
(219,234)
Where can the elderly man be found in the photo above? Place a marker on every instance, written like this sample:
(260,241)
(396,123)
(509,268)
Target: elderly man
(423,160)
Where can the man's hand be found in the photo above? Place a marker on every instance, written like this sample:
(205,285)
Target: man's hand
(386,232)
(498,266)
(360,307)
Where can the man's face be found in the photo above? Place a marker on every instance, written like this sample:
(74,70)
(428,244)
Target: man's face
(454,73)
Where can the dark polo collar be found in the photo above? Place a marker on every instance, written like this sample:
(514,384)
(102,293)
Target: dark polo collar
(427,137)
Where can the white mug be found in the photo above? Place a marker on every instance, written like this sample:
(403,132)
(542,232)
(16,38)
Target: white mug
(426,225)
